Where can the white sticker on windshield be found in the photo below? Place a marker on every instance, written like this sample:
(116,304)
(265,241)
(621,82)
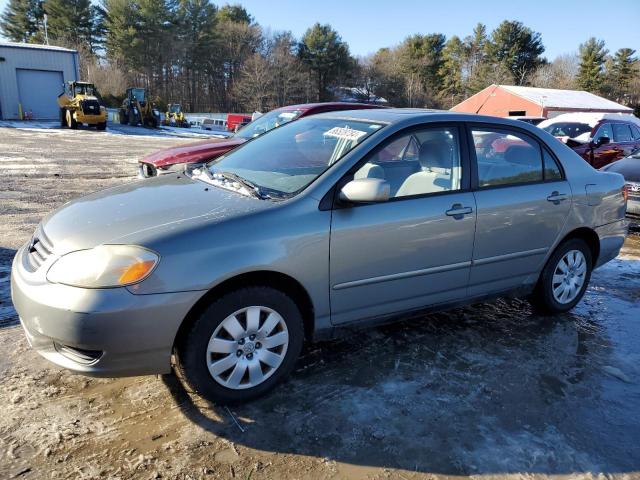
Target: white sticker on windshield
(345,133)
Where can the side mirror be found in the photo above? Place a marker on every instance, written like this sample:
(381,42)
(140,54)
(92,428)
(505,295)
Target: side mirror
(365,190)
(601,141)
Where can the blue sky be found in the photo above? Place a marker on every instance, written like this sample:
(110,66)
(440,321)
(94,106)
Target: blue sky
(370,24)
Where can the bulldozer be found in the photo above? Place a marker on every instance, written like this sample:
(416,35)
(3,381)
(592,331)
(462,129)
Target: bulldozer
(174,116)
(79,105)
(136,109)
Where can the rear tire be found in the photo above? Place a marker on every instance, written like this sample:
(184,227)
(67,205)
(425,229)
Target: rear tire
(63,117)
(241,346)
(101,126)
(124,119)
(564,278)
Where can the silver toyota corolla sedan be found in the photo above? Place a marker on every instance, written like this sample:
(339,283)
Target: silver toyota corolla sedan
(343,219)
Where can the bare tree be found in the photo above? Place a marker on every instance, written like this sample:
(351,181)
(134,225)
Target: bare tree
(561,73)
(254,89)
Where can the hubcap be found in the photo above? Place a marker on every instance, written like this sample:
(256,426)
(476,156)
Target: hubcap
(569,276)
(247,347)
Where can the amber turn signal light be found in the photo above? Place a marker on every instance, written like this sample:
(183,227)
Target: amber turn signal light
(135,272)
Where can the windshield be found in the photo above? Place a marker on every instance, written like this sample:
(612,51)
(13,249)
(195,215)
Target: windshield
(266,122)
(174,108)
(138,93)
(288,159)
(567,129)
(88,90)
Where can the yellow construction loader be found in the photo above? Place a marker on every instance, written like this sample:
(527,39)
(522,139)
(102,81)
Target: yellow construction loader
(136,109)
(174,116)
(79,105)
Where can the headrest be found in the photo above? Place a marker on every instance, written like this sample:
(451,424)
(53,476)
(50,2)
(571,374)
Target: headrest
(435,154)
(523,154)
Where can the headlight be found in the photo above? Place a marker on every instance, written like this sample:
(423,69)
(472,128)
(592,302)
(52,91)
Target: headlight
(104,266)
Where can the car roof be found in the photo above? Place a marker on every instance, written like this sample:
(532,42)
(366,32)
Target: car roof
(415,115)
(328,105)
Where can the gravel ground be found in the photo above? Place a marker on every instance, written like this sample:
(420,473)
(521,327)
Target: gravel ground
(489,390)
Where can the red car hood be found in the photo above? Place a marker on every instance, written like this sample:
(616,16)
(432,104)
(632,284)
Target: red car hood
(192,153)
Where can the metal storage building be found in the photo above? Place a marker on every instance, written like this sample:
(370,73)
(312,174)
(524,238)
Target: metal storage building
(510,101)
(31,78)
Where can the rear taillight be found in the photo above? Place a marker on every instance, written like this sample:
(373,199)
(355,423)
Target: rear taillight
(625,192)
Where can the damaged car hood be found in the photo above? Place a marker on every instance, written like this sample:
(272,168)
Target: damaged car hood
(129,213)
(192,153)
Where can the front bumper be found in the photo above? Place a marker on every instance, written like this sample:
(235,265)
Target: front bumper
(82,117)
(100,332)
(633,205)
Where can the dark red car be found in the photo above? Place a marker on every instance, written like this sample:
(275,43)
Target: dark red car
(601,142)
(203,151)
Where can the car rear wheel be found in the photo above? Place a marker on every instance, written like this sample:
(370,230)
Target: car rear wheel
(241,346)
(564,278)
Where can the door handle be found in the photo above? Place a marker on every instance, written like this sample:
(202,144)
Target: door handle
(556,197)
(457,211)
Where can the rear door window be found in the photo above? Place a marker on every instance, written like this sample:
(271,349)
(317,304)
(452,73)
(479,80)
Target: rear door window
(552,170)
(622,132)
(506,158)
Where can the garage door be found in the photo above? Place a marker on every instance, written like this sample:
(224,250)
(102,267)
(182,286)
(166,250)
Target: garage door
(39,90)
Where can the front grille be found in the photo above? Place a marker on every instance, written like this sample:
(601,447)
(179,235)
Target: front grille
(40,248)
(90,107)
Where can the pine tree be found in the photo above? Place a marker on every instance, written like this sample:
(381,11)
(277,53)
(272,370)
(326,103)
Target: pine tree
(234,13)
(74,21)
(476,66)
(139,33)
(453,56)
(592,58)
(21,19)
(326,56)
(517,48)
(621,73)
(197,19)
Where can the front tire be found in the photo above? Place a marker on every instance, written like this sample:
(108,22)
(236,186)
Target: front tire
(564,278)
(71,122)
(101,126)
(241,346)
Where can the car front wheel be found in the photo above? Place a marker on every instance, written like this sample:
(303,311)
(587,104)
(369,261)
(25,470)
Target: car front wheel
(564,278)
(241,346)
